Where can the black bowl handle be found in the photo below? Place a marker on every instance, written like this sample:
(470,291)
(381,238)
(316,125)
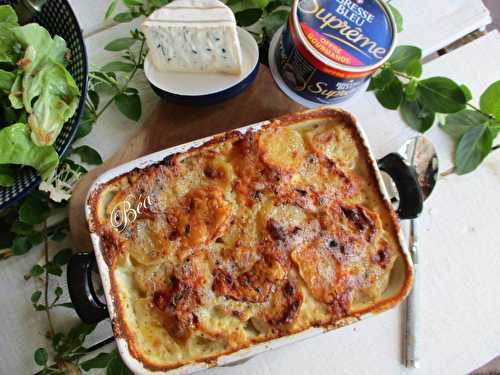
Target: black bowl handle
(81,289)
(411,201)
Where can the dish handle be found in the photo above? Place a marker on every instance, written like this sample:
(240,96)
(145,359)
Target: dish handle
(405,177)
(81,289)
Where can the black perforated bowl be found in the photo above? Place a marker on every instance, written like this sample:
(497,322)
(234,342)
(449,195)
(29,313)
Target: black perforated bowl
(58,18)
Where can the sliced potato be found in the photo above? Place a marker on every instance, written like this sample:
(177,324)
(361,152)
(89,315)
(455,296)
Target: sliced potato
(151,244)
(153,337)
(336,143)
(282,148)
(150,279)
(226,319)
(254,285)
(289,216)
(319,270)
(202,216)
(217,169)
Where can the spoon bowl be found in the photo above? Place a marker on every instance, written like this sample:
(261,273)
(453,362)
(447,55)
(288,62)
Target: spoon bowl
(420,153)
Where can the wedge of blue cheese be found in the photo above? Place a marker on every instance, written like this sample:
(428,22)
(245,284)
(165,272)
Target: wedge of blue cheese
(193,36)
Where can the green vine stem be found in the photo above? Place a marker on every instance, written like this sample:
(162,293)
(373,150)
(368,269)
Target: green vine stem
(137,65)
(472,106)
(51,331)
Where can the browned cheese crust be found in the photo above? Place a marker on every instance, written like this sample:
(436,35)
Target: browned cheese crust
(248,238)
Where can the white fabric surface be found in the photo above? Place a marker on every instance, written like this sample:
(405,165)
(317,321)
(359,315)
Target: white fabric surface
(460,259)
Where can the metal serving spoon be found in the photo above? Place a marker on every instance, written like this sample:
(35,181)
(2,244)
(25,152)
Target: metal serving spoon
(420,154)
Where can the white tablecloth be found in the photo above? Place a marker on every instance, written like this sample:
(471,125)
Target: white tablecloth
(460,262)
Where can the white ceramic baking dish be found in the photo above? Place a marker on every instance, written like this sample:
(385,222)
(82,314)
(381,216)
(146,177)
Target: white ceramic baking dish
(91,310)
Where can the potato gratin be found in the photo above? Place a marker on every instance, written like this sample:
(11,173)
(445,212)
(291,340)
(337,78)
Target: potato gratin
(247,238)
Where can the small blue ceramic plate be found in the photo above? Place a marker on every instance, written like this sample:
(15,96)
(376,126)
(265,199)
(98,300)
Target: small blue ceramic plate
(206,88)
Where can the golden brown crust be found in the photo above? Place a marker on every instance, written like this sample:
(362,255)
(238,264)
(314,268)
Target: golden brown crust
(248,238)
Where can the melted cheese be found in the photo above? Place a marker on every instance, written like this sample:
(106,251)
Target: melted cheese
(247,239)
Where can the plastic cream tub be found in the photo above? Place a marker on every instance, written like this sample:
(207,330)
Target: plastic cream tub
(329,49)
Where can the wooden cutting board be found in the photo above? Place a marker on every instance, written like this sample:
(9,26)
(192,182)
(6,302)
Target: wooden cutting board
(171,124)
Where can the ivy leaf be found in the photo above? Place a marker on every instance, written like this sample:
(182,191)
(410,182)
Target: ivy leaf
(119,44)
(274,21)
(248,17)
(56,340)
(54,268)
(397,17)
(104,82)
(35,238)
(41,357)
(76,167)
(59,235)
(441,95)
(414,68)
(36,271)
(490,100)
(158,3)
(118,66)
(457,124)
(132,3)
(240,5)
(21,228)
(129,105)
(416,117)
(467,93)
(117,367)
(35,297)
(73,341)
(110,10)
(94,98)
(473,148)
(63,257)
(406,59)
(381,79)
(100,361)
(391,95)
(21,245)
(410,90)
(272,6)
(88,155)
(124,17)
(34,209)
(494,128)
(86,124)
(58,292)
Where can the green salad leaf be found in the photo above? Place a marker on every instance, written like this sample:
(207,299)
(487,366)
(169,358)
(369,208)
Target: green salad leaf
(6,80)
(37,96)
(55,105)
(16,92)
(16,147)
(45,79)
(8,15)
(8,19)
(9,115)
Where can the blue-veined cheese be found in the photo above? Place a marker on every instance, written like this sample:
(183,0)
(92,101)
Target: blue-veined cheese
(193,36)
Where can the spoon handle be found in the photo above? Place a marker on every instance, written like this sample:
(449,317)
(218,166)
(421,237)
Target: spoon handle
(26,9)
(411,348)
